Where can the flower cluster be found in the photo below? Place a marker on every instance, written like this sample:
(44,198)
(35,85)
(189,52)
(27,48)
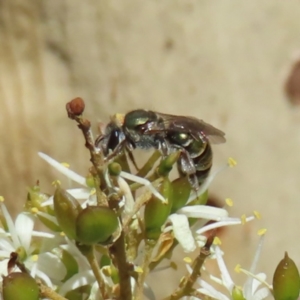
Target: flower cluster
(101,240)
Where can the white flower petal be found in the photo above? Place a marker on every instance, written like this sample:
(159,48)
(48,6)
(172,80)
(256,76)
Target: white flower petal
(251,282)
(62,169)
(6,245)
(3,268)
(227,281)
(129,201)
(95,294)
(45,278)
(256,283)
(144,182)
(82,193)
(224,222)
(80,279)
(51,265)
(24,227)
(263,293)
(203,211)
(182,232)
(209,290)
(257,254)
(11,226)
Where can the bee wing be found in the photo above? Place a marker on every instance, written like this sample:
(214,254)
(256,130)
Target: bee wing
(197,128)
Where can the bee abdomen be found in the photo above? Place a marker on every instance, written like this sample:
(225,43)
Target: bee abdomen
(203,164)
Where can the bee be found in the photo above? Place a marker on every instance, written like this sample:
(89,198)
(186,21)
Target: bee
(145,129)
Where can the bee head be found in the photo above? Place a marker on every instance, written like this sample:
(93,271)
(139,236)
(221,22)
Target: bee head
(137,123)
(111,139)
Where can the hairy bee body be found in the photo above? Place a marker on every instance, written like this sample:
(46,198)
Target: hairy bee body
(148,129)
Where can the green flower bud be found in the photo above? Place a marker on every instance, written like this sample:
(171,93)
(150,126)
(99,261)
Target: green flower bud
(105,261)
(237,294)
(66,210)
(286,280)
(166,165)
(123,162)
(201,199)
(19,286)
(156,212)
(95,224)
(114,169)
(90,181)
(70,263)
(181,192)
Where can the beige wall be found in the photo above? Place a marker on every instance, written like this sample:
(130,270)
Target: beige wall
(223,61)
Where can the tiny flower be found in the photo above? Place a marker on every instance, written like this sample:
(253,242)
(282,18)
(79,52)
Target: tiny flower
(181,227)
(19,239)
(249,291)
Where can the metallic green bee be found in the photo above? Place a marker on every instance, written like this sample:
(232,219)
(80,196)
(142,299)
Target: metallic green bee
(145,129)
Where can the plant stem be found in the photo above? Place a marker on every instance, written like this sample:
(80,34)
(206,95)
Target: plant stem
(89,253)
(47,292)
(118,252)
(186,285)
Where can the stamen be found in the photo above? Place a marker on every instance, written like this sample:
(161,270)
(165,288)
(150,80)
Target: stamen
(129,201)
(144,182)
(231,162)
(62,169)
(229,202)
(225,222)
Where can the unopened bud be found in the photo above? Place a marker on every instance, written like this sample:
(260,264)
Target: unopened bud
(286,280)
(19,286)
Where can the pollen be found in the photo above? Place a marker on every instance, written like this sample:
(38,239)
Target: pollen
(56,182)
(118,119)
(217,241)
(139,270)
(262,231)
(229,202)
(34,257)
(1,199)
(93,191)
(238,268)
(256,214)
(62,234)
(187,260)
(65,164)
(34,210)
(231,162)
(243,219)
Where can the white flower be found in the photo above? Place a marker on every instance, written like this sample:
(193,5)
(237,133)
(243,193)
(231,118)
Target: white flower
(250,289)
(181,227)
(88,193)
(18,239)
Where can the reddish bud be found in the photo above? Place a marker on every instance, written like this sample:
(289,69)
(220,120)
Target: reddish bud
(75,106)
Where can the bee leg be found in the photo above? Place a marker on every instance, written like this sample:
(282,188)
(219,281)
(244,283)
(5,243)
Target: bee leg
(186,167)
(116,151)
(163,146)
(132,159)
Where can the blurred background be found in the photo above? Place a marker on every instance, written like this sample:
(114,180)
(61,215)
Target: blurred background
(226,62)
